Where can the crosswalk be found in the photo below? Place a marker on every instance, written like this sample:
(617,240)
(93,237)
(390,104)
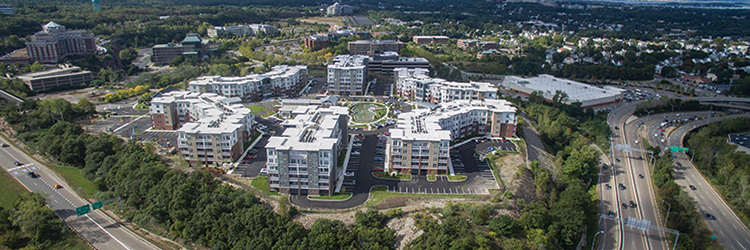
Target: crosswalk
(434,190)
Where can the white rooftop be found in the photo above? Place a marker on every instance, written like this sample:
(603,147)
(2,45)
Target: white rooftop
(215,114)
(312,129)
(577,92)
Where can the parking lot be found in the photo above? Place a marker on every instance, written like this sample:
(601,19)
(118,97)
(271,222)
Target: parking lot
(254,160)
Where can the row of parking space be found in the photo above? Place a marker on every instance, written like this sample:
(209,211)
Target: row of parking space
(484,170)
(436,190)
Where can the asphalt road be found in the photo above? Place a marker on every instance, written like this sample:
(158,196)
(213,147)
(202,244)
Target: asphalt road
(626,168)
(97,228)
(727,227)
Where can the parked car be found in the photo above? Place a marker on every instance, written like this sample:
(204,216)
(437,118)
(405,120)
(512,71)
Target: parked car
(378,159)
(355,153)
(632,204)
(622,187)
(608,186)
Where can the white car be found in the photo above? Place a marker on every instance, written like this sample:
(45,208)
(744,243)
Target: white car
(636,141)
(355,152)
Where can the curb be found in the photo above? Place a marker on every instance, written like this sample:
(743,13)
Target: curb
(350,196)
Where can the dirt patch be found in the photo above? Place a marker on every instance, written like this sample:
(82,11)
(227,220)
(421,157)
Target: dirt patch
(526,188)
(507,165)
(324,20)
(73,96)
(307,219)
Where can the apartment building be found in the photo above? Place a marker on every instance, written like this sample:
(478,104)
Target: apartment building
(347,75)
(374,47)
(281,80)
(304,159)
(7,9)
(430,39)
(416,84)
(338,9)
(318,41)
(55,79)
(211,128)
(55,43)
(420,142)
(387,62)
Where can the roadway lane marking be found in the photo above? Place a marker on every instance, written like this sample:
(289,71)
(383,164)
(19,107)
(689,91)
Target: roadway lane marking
(55,201)
(110,235)
(738,243)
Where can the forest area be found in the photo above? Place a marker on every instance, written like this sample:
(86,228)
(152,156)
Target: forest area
(723,166)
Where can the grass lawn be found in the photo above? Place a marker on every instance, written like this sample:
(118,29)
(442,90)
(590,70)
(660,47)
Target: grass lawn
(405,177)
(75,179)
(431,177)
(256,109)
(457,177)
(11,190)
(377,194)
(261,183)
(334,197)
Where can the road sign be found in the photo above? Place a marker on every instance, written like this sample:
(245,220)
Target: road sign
(96,205)
(83,210)
(676,149)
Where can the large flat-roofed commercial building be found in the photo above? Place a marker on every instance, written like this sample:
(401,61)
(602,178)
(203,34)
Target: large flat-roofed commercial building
(281,80)
(587,95)
(338,9)
(374,47)
(54,43)
(212,128)
(191,46)
(420,142)
(484,45)
(430,39)
(304,159)
(387,62)
(416,84)
(317,41)
(239,30)
(54,79)
(347,75)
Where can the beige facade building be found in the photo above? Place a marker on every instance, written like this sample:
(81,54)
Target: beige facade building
(420,142)
(211,128)
(304,159)
(281,80)
(374,47)
(54,79)
(416,84)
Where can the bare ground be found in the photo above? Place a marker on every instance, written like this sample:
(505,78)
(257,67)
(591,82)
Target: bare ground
(507,166)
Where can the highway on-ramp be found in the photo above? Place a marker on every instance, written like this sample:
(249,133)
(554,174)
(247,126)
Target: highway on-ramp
(98,229)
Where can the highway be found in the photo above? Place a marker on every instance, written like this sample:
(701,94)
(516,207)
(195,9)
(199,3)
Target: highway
(627,167)
(727,227)
(101,231)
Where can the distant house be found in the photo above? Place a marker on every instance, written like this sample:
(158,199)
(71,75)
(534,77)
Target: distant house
(430,39)
(695,80)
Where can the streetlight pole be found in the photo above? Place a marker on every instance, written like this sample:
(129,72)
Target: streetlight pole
(670,208)
(594,241)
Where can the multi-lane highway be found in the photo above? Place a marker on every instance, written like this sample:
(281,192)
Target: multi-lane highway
(626,186)
(98,229)
(727,227)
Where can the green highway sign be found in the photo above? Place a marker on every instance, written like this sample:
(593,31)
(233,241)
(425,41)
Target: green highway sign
(676,149)
(96,205)
(83,210)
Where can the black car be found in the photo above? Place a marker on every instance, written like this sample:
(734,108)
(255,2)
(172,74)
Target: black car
(608,186)
(617,159)
(632,204)
(693,187)
(32,175)
(611,214)
(17,163)
(604,166)
(640,176)
(710,216)
(622,187)
(624,206)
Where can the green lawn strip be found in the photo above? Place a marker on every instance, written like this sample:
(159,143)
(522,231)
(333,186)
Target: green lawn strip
(11,190)
(379,193)
(431,177)
(335,197)
(458,177)
(256,109)
(384,175)
(75,179)
(261,184)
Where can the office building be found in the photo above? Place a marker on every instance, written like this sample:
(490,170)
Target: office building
(280,81)
(387,62)
(7,9)
(191,46)
(430,39)
(586,95)
(420,142)
(54,43)
(347,75)
(212,128)
(483,45)
(264,29)
(338,9)
(56,79)
(374,47)
(334,36)
(239,30)
(304,159)
(315,42)
(416,84)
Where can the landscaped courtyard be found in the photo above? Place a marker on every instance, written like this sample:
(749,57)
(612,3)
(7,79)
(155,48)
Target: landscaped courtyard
(364,113)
